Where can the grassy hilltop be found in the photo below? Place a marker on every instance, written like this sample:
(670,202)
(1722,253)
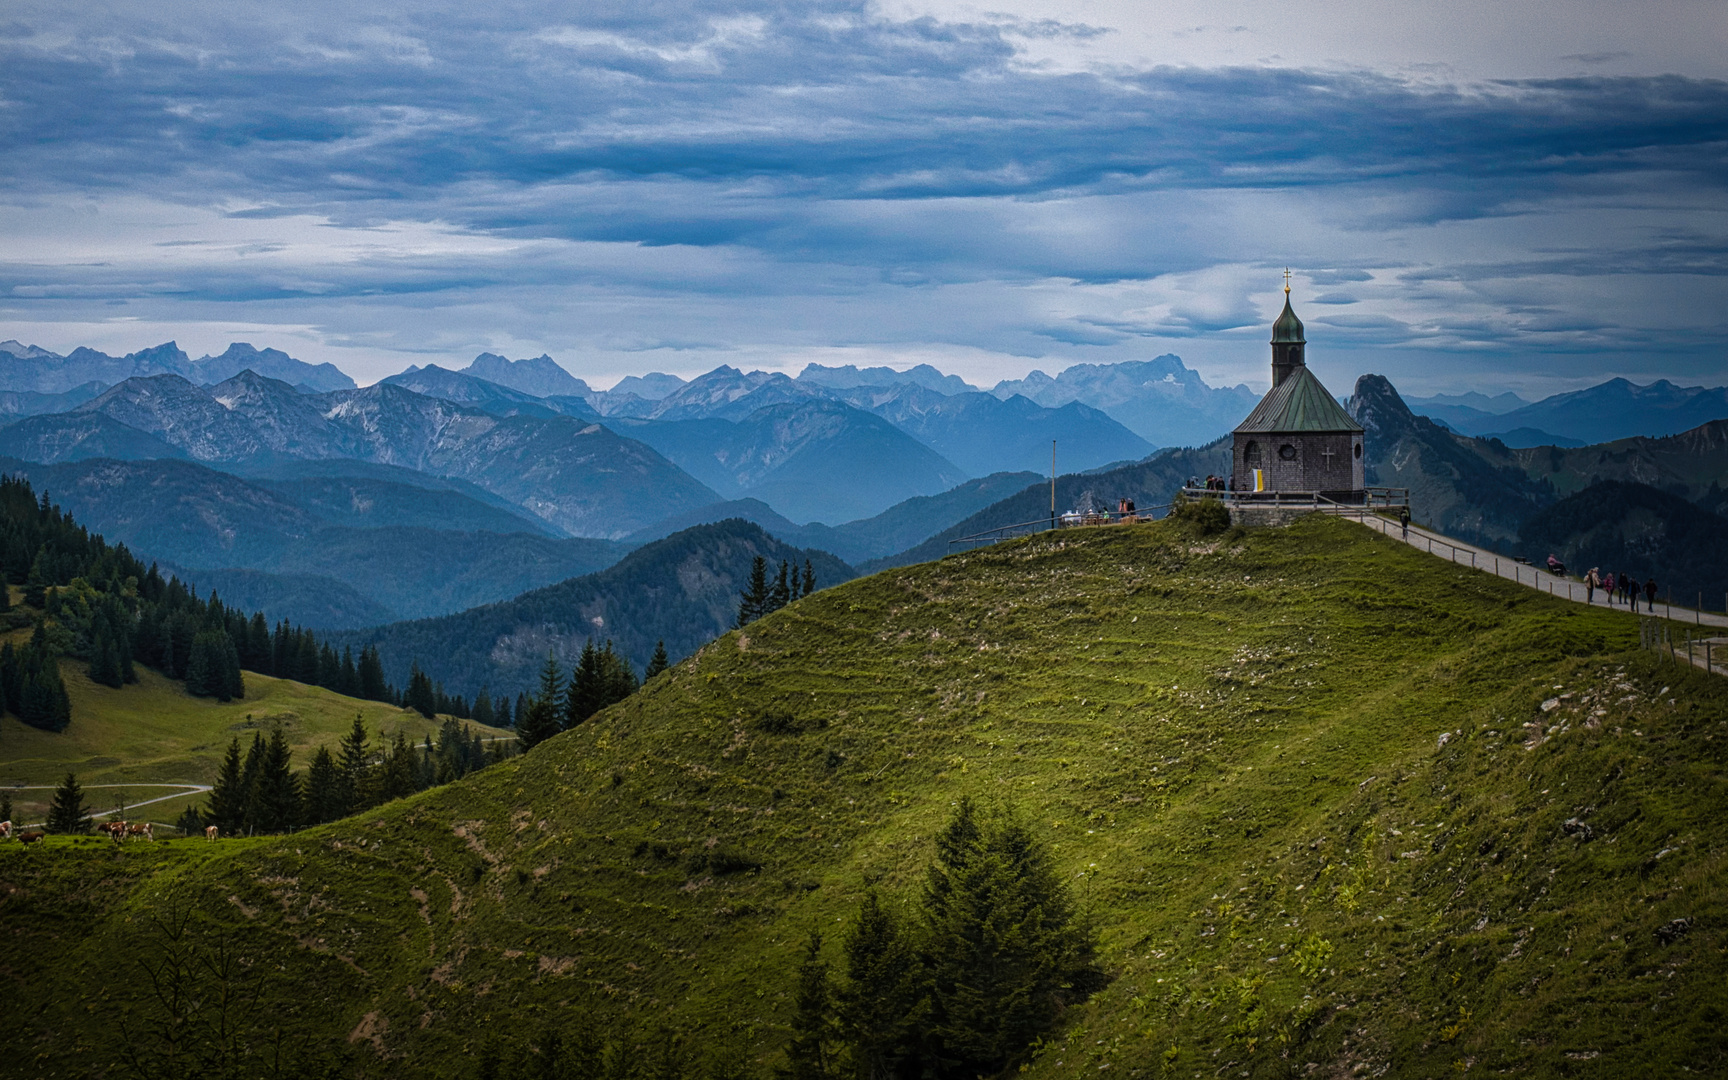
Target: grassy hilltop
(1338,808)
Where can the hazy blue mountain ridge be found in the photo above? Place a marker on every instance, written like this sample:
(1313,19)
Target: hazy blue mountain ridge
(682,590)
(1161,400)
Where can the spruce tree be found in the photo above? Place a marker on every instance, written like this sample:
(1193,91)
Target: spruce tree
(420,697)
(321,789)
(251,786)
(541,721)
(278,787)
(617,677)
(351,787)
(884,1005)
(372,684)
(585,695)
(66,813)
(753,601)
(1002,945)
(104,658)
(349,680)
(11,682)
(36,582)
(233,683)
(5,798)
(811,1055)
(205,676)
(657,663)
(227,801)
(781,594)
(809,578)
(483,713)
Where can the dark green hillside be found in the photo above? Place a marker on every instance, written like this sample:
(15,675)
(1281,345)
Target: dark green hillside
(682,590)
(1633,528)
(1337,808)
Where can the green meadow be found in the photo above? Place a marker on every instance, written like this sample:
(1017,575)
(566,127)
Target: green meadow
(1334,806)
(133,744)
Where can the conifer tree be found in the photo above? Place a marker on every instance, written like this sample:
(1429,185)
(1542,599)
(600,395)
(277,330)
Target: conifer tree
(227,801)
(372,684)
(251,775)
(420,697)
(753,601)
(585,694)
(278,788)
(5,805)
(36,582)
(207,670)
(348,682)
(657,663)
(811,1055)
(483,713)
(10,678)
(351,766)
(781,594)
(104,659)
(542,719)
(400,774)
(809,578)
(1002,945)
(320,789)
(66,813)
(883,1006)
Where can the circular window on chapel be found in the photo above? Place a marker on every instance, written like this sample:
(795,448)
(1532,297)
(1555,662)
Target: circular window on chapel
(1287,452)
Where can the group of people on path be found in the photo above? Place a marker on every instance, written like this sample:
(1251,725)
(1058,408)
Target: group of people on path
(1624,584)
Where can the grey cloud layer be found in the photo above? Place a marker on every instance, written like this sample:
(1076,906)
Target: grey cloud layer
(814,148)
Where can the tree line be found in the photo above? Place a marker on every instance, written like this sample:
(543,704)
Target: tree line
(600,678)
(257,792)
(759,598)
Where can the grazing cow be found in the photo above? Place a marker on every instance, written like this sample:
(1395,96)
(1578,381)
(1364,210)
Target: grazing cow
(116,830)
(211,832)
(28,838)
(5,830)
(139,828)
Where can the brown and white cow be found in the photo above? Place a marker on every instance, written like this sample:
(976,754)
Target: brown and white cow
(28,838)
(139,828)
(5,830)
(211,832)
(116,830)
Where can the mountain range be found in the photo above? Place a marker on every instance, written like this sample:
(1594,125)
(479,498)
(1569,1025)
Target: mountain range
(682,590)
(30,367)
(327,551)
(1616,409)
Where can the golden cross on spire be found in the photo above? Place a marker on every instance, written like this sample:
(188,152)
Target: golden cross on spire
(1286,281)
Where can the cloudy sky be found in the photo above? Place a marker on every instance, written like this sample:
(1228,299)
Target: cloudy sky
(1471,194)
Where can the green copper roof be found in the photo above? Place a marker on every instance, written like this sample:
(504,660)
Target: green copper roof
(1288,328)
(1299,403)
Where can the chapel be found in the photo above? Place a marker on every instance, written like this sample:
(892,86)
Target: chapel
(1298,439)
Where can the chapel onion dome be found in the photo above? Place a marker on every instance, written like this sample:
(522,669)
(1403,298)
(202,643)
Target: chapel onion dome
(1288,329)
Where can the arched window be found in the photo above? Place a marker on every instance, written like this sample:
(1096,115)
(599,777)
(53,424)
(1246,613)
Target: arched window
(1357,451)
(1251,455)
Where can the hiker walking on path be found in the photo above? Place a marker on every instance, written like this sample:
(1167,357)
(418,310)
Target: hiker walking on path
(1608,586)
(1590,582)
(1629,589)
(1650,594)
(1404,522)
